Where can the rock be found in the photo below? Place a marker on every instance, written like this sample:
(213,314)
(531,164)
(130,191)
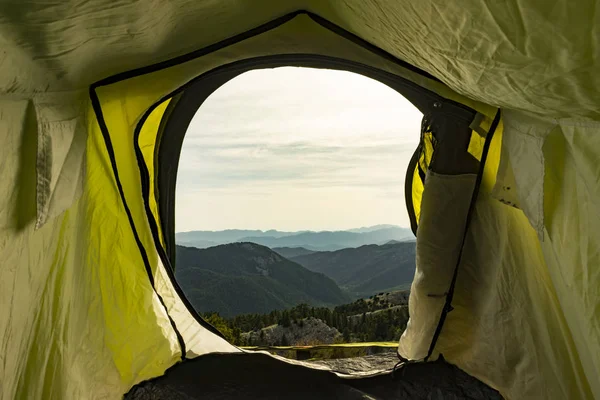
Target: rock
(377,362)
(311,331)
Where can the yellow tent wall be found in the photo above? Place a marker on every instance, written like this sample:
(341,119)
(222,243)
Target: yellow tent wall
(79,317)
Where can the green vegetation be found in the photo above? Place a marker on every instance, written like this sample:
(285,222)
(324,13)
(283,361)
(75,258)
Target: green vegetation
(257,297)
(241,278)
(290,252)
(371,320)
(365,270)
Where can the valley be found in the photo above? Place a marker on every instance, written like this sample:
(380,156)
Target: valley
(294,295)
(240,278)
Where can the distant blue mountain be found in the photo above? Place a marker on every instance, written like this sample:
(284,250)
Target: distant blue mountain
(372,228)
(315,241)
(213,238)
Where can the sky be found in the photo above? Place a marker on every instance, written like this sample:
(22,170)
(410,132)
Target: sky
(297,149)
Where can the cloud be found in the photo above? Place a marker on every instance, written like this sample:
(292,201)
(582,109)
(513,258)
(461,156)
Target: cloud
(300,131)
(295,163)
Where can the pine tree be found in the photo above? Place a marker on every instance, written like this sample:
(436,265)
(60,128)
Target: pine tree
(285,319)
(346,334)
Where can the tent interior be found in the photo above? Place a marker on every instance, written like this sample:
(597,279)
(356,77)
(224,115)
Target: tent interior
(96,98)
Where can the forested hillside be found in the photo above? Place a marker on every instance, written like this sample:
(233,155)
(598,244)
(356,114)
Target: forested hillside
(366,270)
(289,252)
(380,318)
(243,278)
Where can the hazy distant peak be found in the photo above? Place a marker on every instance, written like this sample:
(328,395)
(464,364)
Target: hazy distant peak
(310,240)
(373,228)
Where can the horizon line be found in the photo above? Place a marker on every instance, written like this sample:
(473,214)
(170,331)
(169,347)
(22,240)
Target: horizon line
(293,231)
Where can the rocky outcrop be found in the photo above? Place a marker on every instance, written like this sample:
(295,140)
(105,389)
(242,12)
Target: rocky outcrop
(378,362)
(309,331)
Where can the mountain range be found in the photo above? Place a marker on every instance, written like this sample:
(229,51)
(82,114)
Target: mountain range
(241,278)
(289,252)
(315,241)
(365,270)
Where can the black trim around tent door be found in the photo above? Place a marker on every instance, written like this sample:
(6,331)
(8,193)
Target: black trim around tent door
(257,31)
(95,101)
(408,185)
(186,100)
(189,99)
(166,203)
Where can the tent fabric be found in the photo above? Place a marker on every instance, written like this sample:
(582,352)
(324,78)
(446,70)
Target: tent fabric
(439,240)
(494,296)
(521,55)
(88,306)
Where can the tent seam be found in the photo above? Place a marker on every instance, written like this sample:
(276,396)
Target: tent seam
(107,142)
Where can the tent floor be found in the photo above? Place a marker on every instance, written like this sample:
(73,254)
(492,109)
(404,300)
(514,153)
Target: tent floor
(258,376)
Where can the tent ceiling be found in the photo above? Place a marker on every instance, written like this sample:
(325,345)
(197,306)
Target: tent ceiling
(529,55)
